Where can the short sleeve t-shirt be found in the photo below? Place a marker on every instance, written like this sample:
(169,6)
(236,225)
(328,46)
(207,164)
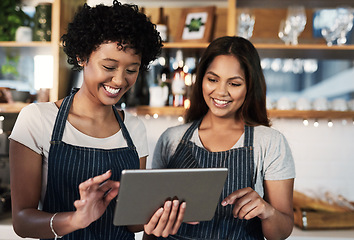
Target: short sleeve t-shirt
(34,126)
(272,155)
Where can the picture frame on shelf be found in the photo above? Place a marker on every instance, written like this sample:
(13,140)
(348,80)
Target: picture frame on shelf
(196,24)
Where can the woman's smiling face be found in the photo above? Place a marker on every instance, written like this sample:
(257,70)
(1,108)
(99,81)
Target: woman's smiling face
(110,72)
(224,86)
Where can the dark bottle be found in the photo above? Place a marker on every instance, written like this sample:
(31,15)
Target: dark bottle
(161,25)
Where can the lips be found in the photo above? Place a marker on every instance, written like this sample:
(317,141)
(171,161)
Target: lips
(220,103)
(111,90)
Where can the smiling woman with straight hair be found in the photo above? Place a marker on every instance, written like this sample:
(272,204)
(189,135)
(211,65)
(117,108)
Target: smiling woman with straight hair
(227,126)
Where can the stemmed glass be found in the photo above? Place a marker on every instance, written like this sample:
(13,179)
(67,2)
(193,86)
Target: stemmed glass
(284,31)
(297,20)
(293,25)
(345,23)
(245,23)
(338,30)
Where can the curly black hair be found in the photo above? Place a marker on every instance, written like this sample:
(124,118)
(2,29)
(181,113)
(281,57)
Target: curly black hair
(122,23)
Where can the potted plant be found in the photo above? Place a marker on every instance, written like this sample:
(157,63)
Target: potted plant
(11,17)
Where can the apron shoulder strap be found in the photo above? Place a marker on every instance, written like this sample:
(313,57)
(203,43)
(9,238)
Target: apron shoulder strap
(124,129)
(189,133)
(62,115)
(248,140)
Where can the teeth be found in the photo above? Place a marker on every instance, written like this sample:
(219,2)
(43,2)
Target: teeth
(221,102)
(112,90)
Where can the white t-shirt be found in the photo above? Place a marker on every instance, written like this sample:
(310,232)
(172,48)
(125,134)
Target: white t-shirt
(34,126)
(272,155)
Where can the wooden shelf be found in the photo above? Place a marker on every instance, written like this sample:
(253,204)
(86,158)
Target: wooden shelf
(311,114)
(318,51)
(275,50)
(286,3)
(25,44)
(161,111)
(179,111)
(185,45)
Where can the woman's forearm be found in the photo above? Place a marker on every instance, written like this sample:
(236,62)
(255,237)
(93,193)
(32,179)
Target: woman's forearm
(278,226)
(34,223)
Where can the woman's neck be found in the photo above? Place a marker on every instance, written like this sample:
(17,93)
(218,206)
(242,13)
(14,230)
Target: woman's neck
(211,121)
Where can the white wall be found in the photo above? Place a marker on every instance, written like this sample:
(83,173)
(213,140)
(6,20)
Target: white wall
(323,156)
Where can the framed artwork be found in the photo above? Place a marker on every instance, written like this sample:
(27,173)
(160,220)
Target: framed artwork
(196,24)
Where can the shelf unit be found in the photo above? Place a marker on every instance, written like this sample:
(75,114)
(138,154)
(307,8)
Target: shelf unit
(273,50)
(25,44)
(62,12)
(309,48)
(276,49)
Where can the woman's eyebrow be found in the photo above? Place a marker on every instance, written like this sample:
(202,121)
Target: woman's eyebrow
(117,61)
(232,78)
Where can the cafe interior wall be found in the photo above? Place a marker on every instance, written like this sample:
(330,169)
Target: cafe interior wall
(323,155)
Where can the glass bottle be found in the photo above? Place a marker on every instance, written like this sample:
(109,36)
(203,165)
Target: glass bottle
(161,25)
(178,81)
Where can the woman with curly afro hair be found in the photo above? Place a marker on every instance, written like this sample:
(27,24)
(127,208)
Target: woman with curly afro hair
(66,156)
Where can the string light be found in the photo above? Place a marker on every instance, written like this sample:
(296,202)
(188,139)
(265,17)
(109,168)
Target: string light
(330,123)
(305,122)
(155,115)
(316,124)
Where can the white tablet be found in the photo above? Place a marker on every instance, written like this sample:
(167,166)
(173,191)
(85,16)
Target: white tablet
(142,192)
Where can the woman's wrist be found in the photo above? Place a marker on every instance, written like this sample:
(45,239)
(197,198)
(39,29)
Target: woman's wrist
(62,223)
(56,236)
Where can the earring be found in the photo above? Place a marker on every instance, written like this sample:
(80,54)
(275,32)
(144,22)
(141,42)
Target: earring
(79,62)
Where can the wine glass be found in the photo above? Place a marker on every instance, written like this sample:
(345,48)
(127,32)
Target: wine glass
(245,23)
(284,31)
(330,34)
(296,18)
(345,23)
(342,23)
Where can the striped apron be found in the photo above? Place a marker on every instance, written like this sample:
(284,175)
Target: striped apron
(70,165)
(240,163)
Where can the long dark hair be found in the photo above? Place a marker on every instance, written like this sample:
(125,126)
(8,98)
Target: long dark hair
(253,111)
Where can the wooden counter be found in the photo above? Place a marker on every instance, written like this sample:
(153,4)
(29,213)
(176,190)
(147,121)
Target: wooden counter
(7,233)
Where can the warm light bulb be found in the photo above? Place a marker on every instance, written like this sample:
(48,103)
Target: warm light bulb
(305,122)
(187,103)
(316,124)
(330,123)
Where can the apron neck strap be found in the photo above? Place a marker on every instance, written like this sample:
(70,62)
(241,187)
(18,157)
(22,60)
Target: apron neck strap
(63,113)
(60,121)
(124,129)
(248,139)
(248,135)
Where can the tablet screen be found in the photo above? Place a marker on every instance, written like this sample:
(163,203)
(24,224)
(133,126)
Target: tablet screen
(142,192)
